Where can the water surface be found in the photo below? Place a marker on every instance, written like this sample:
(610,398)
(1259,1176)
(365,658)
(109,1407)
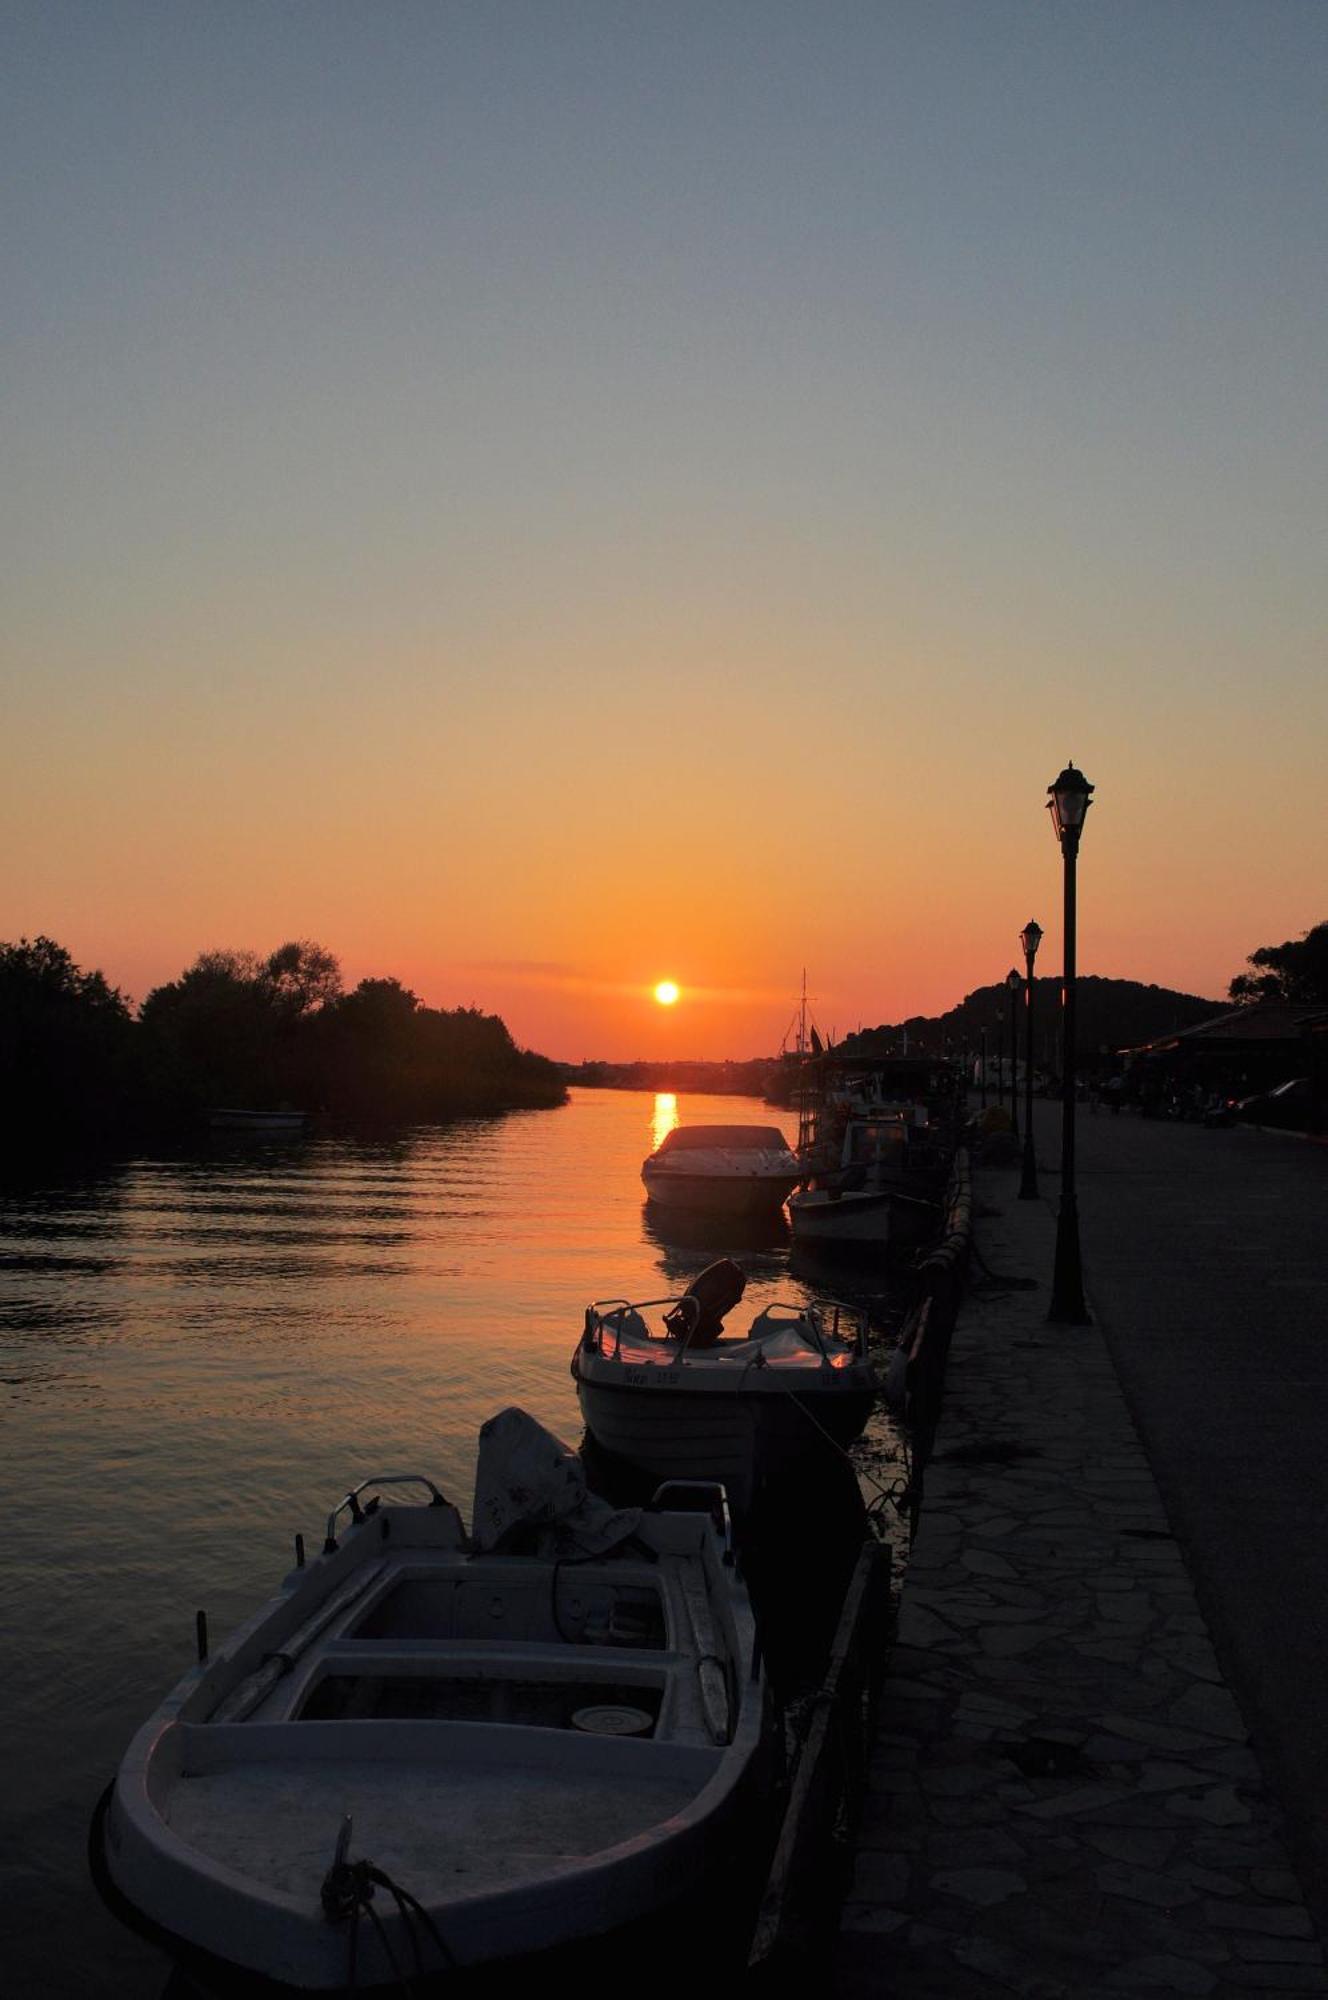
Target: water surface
(199,1354)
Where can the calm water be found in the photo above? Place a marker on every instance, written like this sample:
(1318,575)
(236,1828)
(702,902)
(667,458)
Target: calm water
(198,1355)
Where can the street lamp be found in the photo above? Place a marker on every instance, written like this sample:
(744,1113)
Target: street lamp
(1000,1056)
(1013,983)
(982,1071)
(1070,797)
(1030,937)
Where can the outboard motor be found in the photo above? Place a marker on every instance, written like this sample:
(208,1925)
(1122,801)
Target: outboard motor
(716,1291)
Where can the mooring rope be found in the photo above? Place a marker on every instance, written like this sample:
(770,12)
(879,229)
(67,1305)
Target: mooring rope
(347,1895)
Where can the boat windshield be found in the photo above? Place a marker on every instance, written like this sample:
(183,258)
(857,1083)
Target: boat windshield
(872,1142)
(732,1138)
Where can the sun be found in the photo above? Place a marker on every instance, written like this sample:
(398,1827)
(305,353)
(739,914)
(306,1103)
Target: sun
(666,993)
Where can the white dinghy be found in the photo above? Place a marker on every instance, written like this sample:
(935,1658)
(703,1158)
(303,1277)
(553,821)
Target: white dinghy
(662,1386)
(428,1753)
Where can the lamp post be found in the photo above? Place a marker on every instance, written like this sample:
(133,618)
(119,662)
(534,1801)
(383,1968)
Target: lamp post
(1000,1056)
(1030,937)
(982,1069)
(1013,983)
(1071,796)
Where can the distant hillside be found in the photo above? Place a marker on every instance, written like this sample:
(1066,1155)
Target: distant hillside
(1112,1014)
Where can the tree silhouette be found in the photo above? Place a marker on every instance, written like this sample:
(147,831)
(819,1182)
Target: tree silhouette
(210,1036)
(65,1047)
(239,1030)
(1295,972)
(301,976)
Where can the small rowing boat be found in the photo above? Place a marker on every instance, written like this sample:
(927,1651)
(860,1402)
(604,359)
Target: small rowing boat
(433,1752)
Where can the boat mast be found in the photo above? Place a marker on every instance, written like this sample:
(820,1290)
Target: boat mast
(804,1114)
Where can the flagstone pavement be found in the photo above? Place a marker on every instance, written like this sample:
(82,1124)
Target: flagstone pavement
(1073,1791)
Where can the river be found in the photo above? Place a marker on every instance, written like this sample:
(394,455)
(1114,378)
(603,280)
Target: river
(199,1353)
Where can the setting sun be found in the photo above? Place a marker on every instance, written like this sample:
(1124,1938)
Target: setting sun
(666,993)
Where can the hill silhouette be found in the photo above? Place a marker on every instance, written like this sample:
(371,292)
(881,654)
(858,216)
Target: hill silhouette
(1111,1014)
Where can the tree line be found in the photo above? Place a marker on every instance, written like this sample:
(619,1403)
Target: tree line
(78,1064)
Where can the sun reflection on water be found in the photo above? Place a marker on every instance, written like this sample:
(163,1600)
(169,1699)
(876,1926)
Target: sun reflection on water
(664,1119)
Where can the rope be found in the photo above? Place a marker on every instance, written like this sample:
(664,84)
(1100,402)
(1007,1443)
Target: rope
(347,1895)
(397,1973)
(894,1494)
(561,1563)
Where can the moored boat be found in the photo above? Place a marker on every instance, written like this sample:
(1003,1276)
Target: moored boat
(237,1118)
(722,1170)
(520,1739)
(734,1408)
(850,1206)
(848,1218)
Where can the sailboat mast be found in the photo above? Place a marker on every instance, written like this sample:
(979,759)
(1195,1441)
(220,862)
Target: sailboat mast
(804,1115)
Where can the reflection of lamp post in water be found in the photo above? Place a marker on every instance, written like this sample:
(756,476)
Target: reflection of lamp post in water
(1030,937)
(1013,982)
(1071,796)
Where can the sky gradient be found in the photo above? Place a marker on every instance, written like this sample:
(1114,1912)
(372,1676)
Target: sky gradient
(547,498)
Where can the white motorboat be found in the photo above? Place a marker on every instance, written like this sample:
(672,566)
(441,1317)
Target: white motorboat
(733,1409)
(850,1206)
(520,1741)
(722,1169)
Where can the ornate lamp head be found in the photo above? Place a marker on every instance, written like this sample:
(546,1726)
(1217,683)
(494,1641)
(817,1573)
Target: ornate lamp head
(1071,796)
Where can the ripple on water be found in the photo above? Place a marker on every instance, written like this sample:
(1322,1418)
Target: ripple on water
(199,1354)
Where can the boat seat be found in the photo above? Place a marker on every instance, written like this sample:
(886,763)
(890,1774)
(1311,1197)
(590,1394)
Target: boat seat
(665,1685)
(202,1747)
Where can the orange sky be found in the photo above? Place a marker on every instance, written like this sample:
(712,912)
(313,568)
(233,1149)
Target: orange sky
(899,908)
(641,505)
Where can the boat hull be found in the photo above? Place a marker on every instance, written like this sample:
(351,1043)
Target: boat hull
(656,1949)
(859,1218)
(721,1434)
(716,1194)
(241,1938)
(697,1431)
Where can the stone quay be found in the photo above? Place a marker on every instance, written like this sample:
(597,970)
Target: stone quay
(1101,1761)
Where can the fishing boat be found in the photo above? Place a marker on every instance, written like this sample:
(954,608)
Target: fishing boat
(850,1206)
(434,1752)
(661,1385)
(722,1170)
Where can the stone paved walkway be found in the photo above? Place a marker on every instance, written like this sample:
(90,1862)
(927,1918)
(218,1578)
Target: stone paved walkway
(1064,1803)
